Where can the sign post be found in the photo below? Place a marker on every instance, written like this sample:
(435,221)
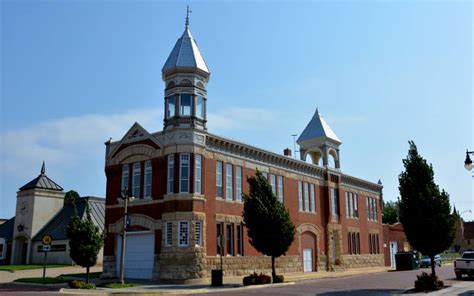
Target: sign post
(46,248)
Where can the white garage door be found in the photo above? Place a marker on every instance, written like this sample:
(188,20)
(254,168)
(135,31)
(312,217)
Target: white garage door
(139,254)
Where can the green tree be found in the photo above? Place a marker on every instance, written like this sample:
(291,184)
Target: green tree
(425,212)
(71,195)
(268,222)
(85,240)
(390,212)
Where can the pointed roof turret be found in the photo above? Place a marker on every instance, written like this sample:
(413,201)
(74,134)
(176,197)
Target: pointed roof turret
(185,54)
(318,128)
(42,182)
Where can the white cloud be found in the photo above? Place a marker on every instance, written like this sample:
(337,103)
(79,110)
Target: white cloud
(63,143)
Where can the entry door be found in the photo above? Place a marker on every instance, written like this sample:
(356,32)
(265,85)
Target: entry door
(139,255)
(393,251)
(307,260)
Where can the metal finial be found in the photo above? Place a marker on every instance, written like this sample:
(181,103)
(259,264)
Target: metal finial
(43,170)
(187,16)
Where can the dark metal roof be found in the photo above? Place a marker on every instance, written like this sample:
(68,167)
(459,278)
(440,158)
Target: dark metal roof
(6,229)
(56,227)
(42,182)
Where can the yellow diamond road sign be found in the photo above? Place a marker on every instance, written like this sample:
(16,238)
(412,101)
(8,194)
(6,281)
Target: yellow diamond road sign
(47,240)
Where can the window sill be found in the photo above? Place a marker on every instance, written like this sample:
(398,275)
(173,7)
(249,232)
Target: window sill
(183,196)
(229,200)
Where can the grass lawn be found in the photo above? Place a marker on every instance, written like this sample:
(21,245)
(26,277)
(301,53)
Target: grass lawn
(92,275)
(24,267)
(118,285)
(39,280)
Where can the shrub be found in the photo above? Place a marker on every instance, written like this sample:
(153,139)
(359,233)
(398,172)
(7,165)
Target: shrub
(257,279)
(81,285)
(427,282)
(279,279)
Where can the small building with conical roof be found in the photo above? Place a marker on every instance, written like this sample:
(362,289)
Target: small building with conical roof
(187,183)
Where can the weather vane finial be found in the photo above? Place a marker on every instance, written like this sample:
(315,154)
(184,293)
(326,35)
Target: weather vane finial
(187,16)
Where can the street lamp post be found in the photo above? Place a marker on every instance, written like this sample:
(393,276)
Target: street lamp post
(124,194)
(468,161)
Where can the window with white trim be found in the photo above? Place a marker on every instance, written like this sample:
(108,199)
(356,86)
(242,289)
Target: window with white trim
(238,183)
(125,175)
(306,197)
(300,196)
(169,234)
(352,209)
(334,202)
(228,182)
(219,189)
(371,209)
(280,188)
(137,170)
(198,233)
(147,181)
(312,197)
(184,172)
(170,181)
(183,234)
(198,174)
(273,184)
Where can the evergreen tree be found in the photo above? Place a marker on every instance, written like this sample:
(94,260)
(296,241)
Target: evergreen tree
(425,212)
(85,240)
(390,212)
(269,226)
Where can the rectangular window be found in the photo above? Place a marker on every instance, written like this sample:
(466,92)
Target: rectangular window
(184,173)
(136,179)
(371,204)
(229,182)
(300,195)
(125,174)
(356,207)
(306,197)
(230,239)
(170,182)
(198,233)
(280,188)
(313,198)
(183,234)
(351,204)
(348,210)
(185,104)
(171,107)
(273,184)
(358,243)
(199,107)
(1,251)
(370,243)
(148,172)
(219,239)
(240,240)
(238,183)
(219,190)
(169,234)
(198,174)
(334,201)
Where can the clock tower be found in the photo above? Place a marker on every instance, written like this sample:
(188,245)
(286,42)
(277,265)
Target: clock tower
(37,202)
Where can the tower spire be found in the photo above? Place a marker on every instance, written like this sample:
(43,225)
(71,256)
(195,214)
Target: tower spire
(187,16)
(43,170)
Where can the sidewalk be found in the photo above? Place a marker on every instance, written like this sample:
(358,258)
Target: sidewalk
(8,276)
(234,283)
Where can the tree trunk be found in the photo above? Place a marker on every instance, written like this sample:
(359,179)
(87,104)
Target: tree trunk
(433,272)
(273,270)
(87,274)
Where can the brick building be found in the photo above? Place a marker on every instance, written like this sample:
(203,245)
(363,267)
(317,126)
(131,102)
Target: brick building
(395,241)
(187,184)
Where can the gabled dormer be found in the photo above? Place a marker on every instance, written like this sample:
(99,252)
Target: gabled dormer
(319,141)
(186,75)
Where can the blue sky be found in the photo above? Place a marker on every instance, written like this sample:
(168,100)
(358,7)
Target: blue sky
(74,73)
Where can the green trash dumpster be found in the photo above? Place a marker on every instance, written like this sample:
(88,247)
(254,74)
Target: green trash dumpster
(407,261)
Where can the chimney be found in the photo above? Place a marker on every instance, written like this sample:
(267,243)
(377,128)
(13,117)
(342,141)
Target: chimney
(287,152)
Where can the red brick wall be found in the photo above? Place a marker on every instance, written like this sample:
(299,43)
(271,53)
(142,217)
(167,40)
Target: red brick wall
(392,233)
